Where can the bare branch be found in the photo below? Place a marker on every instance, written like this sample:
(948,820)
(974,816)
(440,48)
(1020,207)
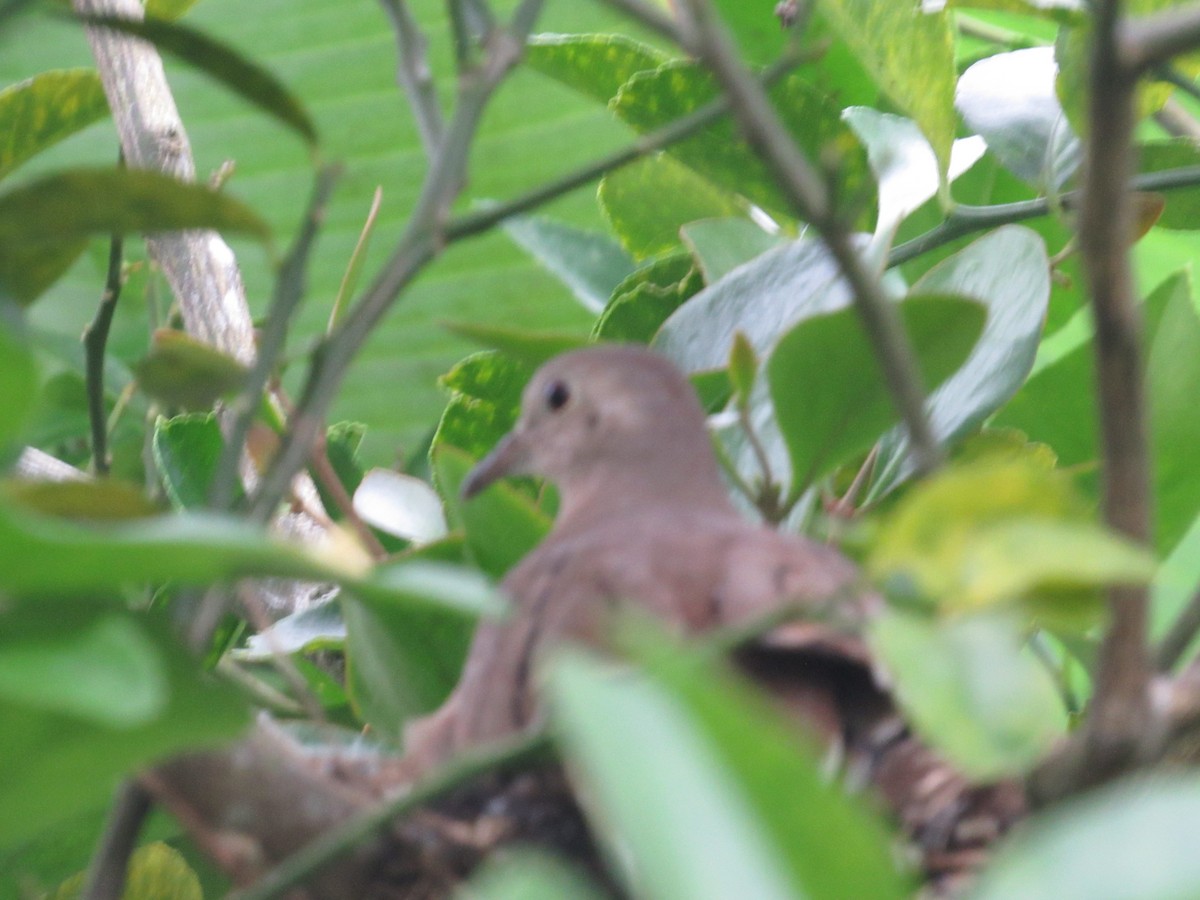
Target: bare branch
(1148,41)
(95,342)
(106,873)
(810,197)
(1183,632)
(414,75)
(199,265)
(354,832)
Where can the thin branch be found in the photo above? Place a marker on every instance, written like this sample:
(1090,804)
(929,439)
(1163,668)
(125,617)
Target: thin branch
(420,243)
(1182,633)
(95,342)
(1119,718)
(810,197)
(1142,43)
(107,871)
(289,290)
(343,838)
(481,220)
(966,220)
(414,74)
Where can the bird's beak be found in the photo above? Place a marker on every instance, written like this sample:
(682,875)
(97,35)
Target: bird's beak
(508,458)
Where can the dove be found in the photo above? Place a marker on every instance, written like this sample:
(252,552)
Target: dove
(645,519)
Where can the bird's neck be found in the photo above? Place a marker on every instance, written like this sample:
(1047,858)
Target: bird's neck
(612,491)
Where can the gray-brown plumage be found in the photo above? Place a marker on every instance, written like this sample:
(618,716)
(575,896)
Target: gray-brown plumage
(645,519)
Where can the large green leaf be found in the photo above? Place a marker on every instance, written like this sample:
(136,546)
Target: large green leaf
(1129,841)
(18,374)
(721,245)
(997,530)
(760,820)
(502,524)
(588,263)
(71,762)
(911,55)
(484,405)
(970,691)
(594,64)
(186,451)
(831,397)
(643,301)
(1008,272)
(1010,100)
(647,203)
(761,299)
(44,110)
(43,225)
(404,650)
(719,153)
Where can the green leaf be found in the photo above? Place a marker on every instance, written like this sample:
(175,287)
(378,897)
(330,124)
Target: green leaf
(999,530)
(186,450)
(405,649)
(911,55)
(531,347)
(1008,272)
(761,299)
(83,501)
(647,202)
(167,9)
(401,505)
(644,300)
(40,112)
(189,549)
(721,245)
(830,395)
(1010,100)
(70,764)
(1057,406)
(485,403)
(102,669)
(156,872)
(502,525)
(720,154)
(905,166)
(245,78)
(967,687)
(593,64)
(1172,384)
(743,368)
(18,374)
(588,263)
(44,224)
(527,876)
(1128,841)
(760,819)
(1183,206)
(182,371)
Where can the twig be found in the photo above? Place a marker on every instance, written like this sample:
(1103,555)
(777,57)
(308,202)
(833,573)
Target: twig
(1180,636)
(289,290)
(344,838)
(966,220)
(414,75)
(323,469)
(810,197)
(470,224)
(1145,42)
(107,871)
(95,342)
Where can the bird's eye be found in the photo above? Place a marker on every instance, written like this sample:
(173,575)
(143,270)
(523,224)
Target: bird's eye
(557,395)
